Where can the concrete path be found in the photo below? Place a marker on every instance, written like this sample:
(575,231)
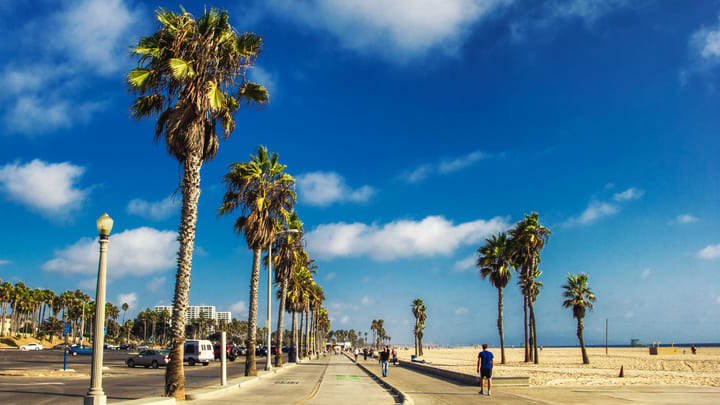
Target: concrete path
(331,380)
(425,389)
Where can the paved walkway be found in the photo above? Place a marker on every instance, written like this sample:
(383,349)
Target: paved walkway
(425,390)
(331,380)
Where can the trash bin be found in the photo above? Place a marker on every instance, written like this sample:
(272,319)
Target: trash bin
(413,357)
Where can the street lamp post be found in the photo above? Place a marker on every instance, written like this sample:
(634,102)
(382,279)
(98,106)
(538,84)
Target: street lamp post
(268,363)
(96,395)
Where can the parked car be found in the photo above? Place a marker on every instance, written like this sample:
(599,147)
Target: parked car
(149,358)
(127,347)
(80,349)
(261,351)
(30,346)
(62,346)
(109,346)
(143,347)
(229,349)
(242,350)
(286,349)
(198,351)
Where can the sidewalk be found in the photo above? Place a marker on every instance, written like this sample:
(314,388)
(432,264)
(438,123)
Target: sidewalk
(330,380)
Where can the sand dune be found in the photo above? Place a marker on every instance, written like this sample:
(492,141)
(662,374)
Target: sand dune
(563,366)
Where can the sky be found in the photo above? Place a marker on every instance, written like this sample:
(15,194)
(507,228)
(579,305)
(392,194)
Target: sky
(415,129)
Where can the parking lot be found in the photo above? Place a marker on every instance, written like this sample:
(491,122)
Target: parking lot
(119,381)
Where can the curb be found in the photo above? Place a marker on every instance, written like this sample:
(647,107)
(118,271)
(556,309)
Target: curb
(464,378)
(406,400)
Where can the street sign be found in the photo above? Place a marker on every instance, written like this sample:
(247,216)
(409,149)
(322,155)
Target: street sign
(67,329)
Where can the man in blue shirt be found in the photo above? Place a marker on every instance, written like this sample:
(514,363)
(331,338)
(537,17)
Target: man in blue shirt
(484,367)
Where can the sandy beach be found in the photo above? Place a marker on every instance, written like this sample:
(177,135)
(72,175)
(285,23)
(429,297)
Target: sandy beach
(563,366)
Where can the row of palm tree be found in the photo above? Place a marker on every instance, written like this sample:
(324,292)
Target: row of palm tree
(520,249)
(380,336)
(192,75)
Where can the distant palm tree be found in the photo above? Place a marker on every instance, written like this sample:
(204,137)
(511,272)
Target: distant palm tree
(580,298)
(295,300)
(528,240)
(288,252)
(417,309)
(265,194)
(191,74)
(125,307)
(494,263)
(5,298)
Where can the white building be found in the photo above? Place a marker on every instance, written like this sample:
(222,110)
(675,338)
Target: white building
(223,316)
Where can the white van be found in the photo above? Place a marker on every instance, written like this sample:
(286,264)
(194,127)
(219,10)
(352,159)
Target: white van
(198,351)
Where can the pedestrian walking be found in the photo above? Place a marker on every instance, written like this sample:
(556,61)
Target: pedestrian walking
(394,356)
(485,364)
(365,353)
(357,353)
(384,357)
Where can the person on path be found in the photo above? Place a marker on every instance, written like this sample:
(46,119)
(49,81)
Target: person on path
(384,357)
(357,353)
(394,356)
(485,364)
(365,353)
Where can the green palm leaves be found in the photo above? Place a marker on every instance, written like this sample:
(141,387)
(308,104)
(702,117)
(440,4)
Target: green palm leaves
(494,260)
(192,72)
(419,311)
(578,295)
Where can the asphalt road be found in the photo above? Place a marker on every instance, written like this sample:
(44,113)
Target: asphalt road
(119,381)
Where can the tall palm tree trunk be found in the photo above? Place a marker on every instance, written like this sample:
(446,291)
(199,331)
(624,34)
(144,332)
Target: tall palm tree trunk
(293,337)
(174,373)
(585,358)
(307,334)
(301,335)
(525,326)
(533,332)
(250,368)
(500,326)
(281,320)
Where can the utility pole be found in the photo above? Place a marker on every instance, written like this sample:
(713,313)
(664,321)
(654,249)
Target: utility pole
(606,336)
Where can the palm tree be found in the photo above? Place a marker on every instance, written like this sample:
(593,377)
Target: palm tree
(416,307)
(288,254)
(494,263)
(295,300)
(191,74)
(125,307)
(5,298)
(528,240)
(580,298)
(264,193)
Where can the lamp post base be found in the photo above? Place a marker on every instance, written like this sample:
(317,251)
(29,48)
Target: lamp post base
(95,400)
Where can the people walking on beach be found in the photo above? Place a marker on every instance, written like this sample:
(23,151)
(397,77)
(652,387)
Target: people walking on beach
(485,364)
(357,353)
(394,356)
(384,357)
(693,349)
(365,353)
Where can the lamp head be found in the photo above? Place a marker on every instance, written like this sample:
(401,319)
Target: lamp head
(104,225)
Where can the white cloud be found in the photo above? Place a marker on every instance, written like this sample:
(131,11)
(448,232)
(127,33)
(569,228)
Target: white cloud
(366,300)
(266,78)
(47,188)
(397,30)
(324,188)
(628,195)
(445,166)
(709,252)
(465,264)
(134,252)
(717,299)
(595,210)
(431,236)
(345,319)
(239,309)
(88,284)
(42,93)
(704,47)
(461,311)
(645,274)
(588,10)
(157,283)
(129,298)
(4,262)
(684,219)
(110,24)
(330,276)
(156,211)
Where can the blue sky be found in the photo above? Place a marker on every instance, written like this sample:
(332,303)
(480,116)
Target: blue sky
(414,131)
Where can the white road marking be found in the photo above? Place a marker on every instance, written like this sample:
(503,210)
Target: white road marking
(40,383)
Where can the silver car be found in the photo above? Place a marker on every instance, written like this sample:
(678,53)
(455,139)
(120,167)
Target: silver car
(147,358)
